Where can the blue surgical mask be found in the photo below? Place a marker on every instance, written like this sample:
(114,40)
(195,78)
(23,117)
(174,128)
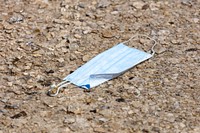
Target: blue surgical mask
(106,66)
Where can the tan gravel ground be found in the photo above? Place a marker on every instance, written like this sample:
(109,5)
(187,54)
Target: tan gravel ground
(42,41)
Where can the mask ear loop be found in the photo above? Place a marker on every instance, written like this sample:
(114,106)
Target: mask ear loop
(136,36)
(55,89)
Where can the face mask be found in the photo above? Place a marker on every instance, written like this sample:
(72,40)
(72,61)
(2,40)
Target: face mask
(105,66)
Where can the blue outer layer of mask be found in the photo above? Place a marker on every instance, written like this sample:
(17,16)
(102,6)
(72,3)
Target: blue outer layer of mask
(107,65)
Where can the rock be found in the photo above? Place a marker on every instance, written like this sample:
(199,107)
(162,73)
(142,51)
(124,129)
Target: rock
(67,130)
(77,36)
(103,120)
(136,104)
(81,5)
(107,34)
(16,18)
(176,105)
(73,46)
(138,4)
(154,6)
(103,3)
(146,6)
(10,84)
(163,32)
(73,110)
(1,26)
(28,66)
(82,123)
(99,130)
(86,58)
(100,99)
(130,112)
(45,113)
(69,120)
(170,117)
(90,14)
(89,100)
(187,3)
(87,30)
(61,60)
(196,20)
(182,125)
(173,60)
(114,12)
(3,111)
(160,49)
(106,113)
(92,25)
(156,129)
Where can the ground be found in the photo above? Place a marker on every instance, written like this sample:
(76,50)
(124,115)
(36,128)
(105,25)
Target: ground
(42,41)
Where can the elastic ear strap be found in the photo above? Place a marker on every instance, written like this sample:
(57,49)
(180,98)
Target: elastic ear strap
(57,87)
(137,35)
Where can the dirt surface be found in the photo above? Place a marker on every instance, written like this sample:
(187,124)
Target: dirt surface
(42,41)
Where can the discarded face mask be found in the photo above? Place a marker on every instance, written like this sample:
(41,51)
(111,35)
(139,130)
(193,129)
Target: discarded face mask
(105,66)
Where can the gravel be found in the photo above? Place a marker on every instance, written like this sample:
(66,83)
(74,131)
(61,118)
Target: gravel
(42,41)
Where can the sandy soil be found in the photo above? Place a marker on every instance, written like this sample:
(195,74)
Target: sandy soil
(42,41)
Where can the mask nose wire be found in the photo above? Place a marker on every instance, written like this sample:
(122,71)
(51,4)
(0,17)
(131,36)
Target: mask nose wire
(142,35)
(51,91)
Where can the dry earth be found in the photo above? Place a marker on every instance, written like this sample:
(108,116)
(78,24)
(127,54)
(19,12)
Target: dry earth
(42,41)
